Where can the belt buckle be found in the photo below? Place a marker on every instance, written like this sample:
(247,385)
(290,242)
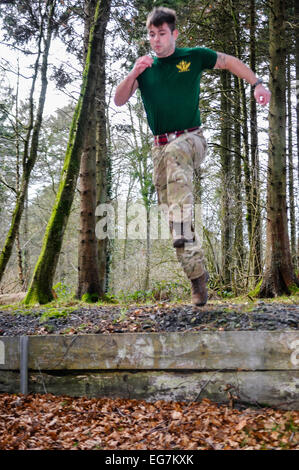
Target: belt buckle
(171,136)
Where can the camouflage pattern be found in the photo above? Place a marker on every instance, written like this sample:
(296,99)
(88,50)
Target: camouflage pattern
(173,179)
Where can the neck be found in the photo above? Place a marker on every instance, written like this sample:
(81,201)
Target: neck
(169,53)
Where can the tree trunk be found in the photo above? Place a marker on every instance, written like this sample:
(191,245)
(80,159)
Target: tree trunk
(246,166)
(279,276)
(141,164)
(30,156)
(147,252)
(40,290)
(291,166)
(226,176)
(238,249)
(125,242)
(26,255)
(297,78)
(89,282)
(103,162)
(238,244)
(88,268)
(297,102)
(255,238)
(234,7)
(18,241)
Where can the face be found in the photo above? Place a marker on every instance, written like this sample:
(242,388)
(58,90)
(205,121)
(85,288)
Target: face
(162,40)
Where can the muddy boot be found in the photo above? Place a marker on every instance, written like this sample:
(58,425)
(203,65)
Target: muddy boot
(179,239)
(199,289)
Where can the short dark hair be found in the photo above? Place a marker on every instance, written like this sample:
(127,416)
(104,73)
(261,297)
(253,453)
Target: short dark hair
(161,15)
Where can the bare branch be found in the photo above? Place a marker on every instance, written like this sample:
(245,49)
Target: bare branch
(4,182)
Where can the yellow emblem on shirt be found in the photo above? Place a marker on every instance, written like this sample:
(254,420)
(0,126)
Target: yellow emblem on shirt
(184,66)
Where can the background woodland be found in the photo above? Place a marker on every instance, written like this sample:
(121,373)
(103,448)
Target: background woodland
(58,163)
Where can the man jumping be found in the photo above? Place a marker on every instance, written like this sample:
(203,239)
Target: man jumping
(170,89)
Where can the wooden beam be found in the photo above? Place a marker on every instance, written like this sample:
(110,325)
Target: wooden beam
(220,350)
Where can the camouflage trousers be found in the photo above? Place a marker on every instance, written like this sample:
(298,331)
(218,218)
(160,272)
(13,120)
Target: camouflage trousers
(174,165)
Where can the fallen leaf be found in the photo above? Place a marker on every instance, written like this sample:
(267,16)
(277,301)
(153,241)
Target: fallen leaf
(241,424)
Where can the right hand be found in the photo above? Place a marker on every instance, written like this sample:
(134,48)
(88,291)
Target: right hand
(262,95)
(129,85)
(141,64)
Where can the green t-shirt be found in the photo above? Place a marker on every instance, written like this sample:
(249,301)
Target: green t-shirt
(170,89)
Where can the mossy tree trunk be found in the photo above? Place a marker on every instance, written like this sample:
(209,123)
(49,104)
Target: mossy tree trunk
(31,141)
(40,289)
(279,276)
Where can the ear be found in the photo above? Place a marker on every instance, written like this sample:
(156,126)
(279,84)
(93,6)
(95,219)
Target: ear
(175,34)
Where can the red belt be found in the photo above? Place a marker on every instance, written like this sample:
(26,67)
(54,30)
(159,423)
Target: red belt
(164,139)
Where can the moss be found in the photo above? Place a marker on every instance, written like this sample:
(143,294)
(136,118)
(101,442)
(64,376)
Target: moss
(36,296)
(294,289)
(8,244)
(16,309)
(255,292)
(90,298)
(107,299)
(55,313)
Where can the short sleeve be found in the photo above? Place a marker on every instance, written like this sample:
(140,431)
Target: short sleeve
(208,57)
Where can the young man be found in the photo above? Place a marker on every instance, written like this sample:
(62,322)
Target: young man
(170,88)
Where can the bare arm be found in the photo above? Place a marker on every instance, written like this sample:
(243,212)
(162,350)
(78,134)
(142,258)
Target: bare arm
(241,70)
(129,85)
(125,90)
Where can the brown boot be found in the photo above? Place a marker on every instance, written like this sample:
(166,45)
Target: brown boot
(199,289)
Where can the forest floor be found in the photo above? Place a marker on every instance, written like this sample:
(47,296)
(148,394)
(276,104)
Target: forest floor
(74,317)
(62,422)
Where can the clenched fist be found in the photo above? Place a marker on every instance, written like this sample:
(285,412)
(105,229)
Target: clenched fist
(262,95)
(141,64)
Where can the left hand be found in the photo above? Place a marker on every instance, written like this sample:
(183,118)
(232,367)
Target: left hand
(262,95)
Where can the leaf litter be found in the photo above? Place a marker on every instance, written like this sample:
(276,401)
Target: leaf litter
(49,422)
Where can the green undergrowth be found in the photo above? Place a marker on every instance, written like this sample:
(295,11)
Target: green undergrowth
(171,291)
(162,292)
(55,313)
(294,292)
(248,299)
